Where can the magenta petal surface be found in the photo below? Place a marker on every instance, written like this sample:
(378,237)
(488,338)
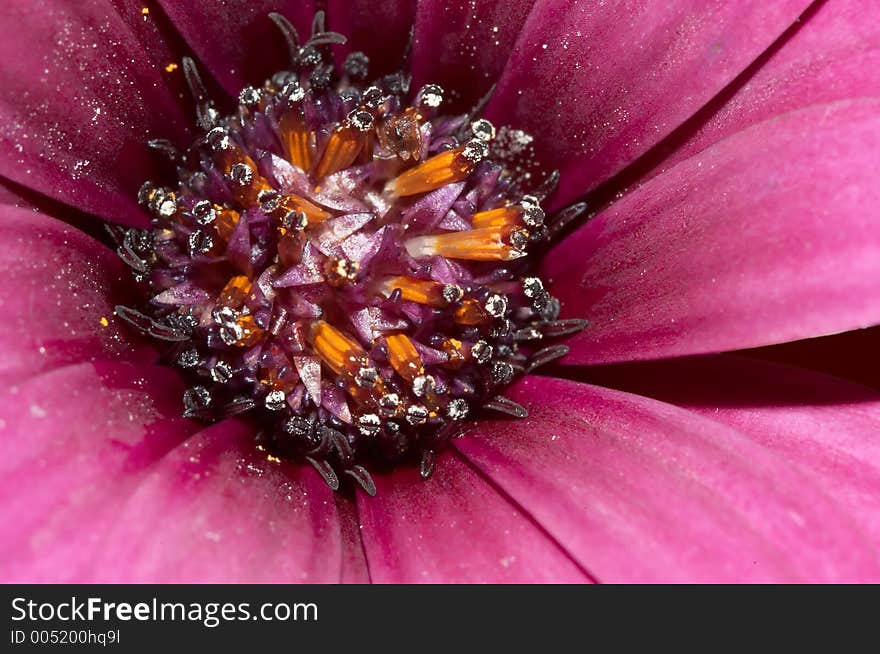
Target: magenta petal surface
(81,90)
(598,84)
(828,427)
(216,510)
(768,236)
(454,528)
(76,443)
(236,41)
(378,29)
(58,283)
(834,55)
(464,45)
(639,490)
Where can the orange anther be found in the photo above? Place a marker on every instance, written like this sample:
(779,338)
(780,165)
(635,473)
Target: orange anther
(416,290)
(342,149)
(296,139)
(470,313)
(235,291)
(441,169)
(508,215)
(484,244)
(342,354)
(403,356)
(251,333)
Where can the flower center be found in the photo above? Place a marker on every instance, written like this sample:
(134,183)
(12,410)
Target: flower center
(348,267)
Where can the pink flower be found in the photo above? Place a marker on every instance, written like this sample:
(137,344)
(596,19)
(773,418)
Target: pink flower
(730,150)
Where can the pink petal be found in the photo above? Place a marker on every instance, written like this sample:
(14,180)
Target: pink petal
(767,236)
(826,426)
(638,490)
(237,42)
(454,528)
(464,45)
(216,510)
(354,560)
(378,29)
(598,84)
(58,285)
(82,89)
(76,443)
(833,55)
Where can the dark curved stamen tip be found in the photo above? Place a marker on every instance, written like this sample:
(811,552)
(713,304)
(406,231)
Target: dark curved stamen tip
(319,22)
(340,444)
(288,31)
(426,466)
(194,80)
(464,131)
(131,259)
(407,50)
(116,232)
(165,147)
(326,471)
(546,355)
(565,217)
(548,186)
(507,406)
(327,38)
(563,327)
(363,478)
(238,406)
(150,327)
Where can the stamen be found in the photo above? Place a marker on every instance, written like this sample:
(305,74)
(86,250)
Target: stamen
(403,356)
(340,261)
(484,244)
(441,169)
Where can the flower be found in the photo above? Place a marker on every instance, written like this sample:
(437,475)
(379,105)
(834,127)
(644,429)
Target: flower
(729,150)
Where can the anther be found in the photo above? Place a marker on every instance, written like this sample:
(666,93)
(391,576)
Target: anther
(275,400)
(204,212)
(241,174)
(195,399)
(366,377)
(483,130)
(249,97)
(416,414)
(423,385)
(389,403)
(200,243)
(445,168)
(356,65)
(481,351)
(430,95)
(369,424)
(189,358)
(221,372)
(457,409)
(496,305)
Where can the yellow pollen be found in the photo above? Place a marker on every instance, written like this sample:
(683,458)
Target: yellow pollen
(170,68)
(104,322)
